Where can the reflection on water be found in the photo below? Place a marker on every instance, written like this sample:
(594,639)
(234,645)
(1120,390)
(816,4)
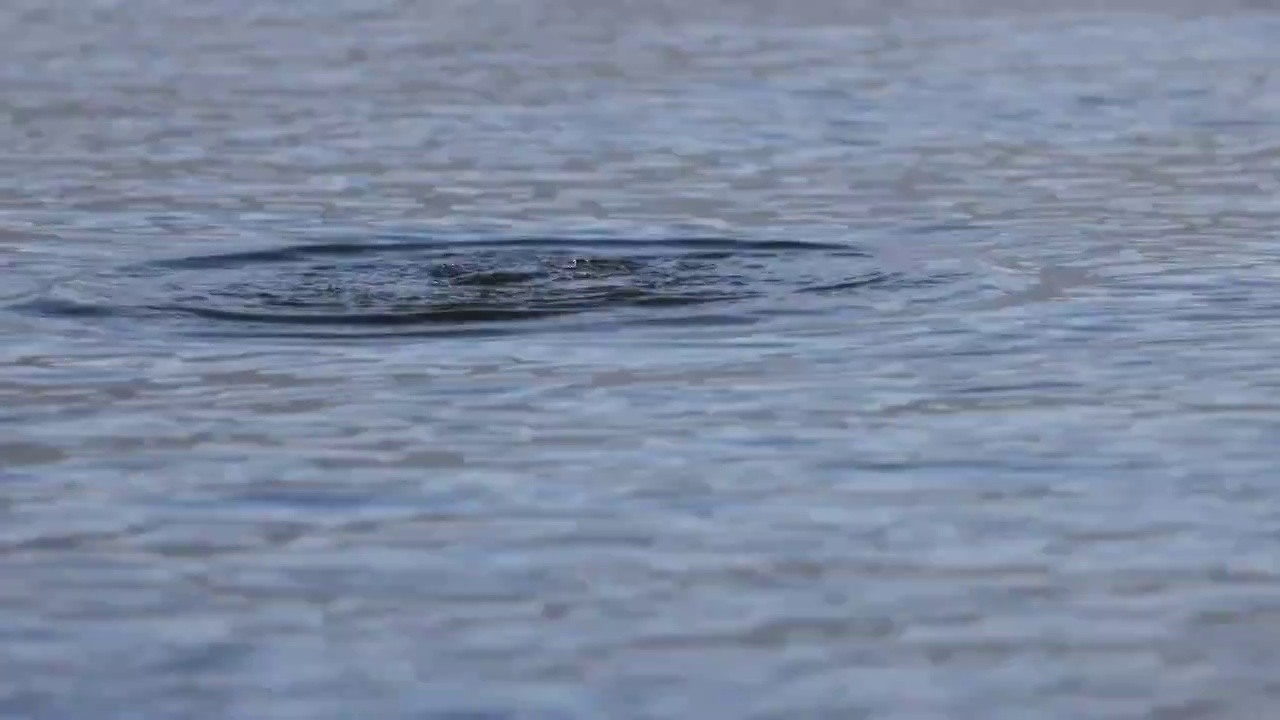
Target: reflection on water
(556,359)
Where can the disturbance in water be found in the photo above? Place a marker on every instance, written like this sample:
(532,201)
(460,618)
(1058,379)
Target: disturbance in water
(460,287)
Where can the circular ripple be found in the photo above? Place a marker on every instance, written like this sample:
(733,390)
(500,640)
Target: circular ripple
(454,287)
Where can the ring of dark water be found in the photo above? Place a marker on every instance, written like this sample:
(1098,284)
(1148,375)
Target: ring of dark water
(452,287)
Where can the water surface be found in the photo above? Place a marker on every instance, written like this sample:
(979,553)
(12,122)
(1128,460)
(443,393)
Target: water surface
(566,360)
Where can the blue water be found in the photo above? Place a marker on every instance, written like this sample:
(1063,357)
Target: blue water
(552,359)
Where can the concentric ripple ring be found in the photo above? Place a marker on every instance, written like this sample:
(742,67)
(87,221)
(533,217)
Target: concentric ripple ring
(438,286)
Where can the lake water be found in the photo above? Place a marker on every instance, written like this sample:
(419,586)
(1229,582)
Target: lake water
(498,359)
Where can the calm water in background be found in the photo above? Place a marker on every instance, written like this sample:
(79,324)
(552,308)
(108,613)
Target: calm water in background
(559,359)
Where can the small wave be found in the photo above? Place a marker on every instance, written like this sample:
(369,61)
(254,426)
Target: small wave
(414,286)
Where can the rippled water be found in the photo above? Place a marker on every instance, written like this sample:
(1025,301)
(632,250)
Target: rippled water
(553,359)
(391,289)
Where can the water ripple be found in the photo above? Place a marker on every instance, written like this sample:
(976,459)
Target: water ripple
(417,286)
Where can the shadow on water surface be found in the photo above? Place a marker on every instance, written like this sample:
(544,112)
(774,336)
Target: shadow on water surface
(457,288)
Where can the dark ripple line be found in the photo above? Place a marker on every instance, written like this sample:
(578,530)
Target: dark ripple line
(57,307)
(302,252)
(872,280)
(449,314)
(462,330)
(435,315)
